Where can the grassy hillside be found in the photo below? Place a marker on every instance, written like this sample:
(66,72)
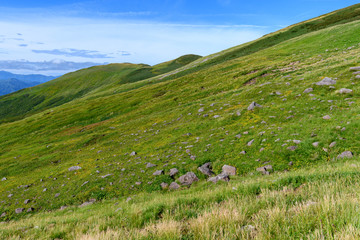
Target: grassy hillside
(182,121)
(77,84)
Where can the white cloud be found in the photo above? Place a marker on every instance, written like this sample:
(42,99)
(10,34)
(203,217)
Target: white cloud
(143,42)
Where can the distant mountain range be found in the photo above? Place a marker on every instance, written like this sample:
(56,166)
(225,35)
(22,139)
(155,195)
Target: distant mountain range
(10,82)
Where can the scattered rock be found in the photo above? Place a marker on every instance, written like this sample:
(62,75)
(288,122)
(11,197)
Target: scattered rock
(251,142)
(19,210)
(174,186)
(138,183)
(354,68)
(133,153)
(188,178)
(158,172)
(150,165)
(87,203)
(3,215)
(253,105)
(105,176)
(315,144)
(57,195)
(265,170)
(201,110)
(74,168)
(326,81)
(229,170)
(164,185)
(344,91)
(291,163)
(243,152)
(173,172)
(27,201)
(332,144)
(221,177)
(4,179)
(30,209)
(327,117)
(292,148)
(206,169)
(296,141)
(346,154)
(308,90)
(128,199)
(238,136)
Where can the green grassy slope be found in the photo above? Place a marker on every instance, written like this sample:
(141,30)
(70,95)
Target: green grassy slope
(184,122)
(77,84)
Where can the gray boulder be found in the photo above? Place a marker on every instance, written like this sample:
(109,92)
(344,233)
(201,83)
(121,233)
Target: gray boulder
(188,178)
(206,169)
(326,81)
(74,168)
(221,177)
(173,172)
(19,210)
(229,170)
(346,154)
(158,172)
(174,186)
(164,185)
(253,105)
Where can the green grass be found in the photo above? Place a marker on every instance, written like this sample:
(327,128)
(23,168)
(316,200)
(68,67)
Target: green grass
(159,118)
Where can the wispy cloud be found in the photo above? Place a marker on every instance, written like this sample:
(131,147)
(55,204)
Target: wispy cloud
(54,65)
(71,52)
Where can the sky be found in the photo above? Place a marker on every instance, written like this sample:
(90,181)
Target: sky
(53,37)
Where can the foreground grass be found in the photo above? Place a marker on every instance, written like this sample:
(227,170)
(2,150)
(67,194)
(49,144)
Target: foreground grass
(315,203)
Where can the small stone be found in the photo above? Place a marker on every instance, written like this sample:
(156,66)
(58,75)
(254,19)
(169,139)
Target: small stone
(19,210)
(188,178)
(158,173)
(138,183)
(253,105)
(296,141)
(243,152)
(332,144)
(164,185)
(230,170)
(201,110)
(174,186)
(327,117)
(291,163)
(173,172)
(292,148)
(128,199)
(346,154)
(216,116)
(4,179)
(27,201)
(57,195)
(74,168)
(238,136)
(30,209)
(150,165)
(308,90)
(133,153)
(315,144)
(265,170)
(251,142)
(3,215)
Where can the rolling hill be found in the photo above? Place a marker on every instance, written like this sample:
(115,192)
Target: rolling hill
(91,155)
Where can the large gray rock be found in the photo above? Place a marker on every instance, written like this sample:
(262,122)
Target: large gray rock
(74,168)
(158,172)
(253,105)
(174,186)
(206,169)
(188,178)
(173,172)
(221,177)
(326,82)
(346,154)
(229,170)
(164,185)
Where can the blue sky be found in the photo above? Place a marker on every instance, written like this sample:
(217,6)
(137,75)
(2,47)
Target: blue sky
(55,37)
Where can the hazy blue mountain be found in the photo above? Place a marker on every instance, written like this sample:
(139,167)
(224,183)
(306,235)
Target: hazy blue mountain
(12,85)
(31,77)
